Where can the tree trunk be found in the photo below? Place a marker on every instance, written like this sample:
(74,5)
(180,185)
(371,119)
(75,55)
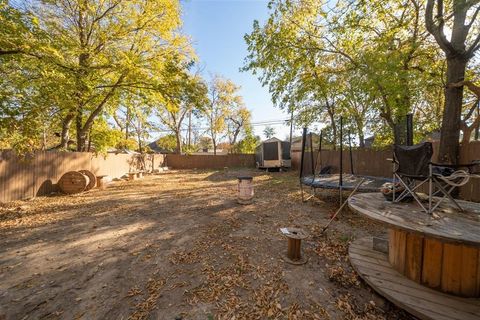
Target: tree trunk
(65,135)
(81,133)
(450,131)
(361,139)
(140,145)
(179,142)
(331,114)
(89,141)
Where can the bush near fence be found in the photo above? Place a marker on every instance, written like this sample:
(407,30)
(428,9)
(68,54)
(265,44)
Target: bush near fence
(38,174)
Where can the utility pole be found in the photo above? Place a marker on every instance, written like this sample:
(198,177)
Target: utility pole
(127,122)
(291,126)
(477,129)
(189,128)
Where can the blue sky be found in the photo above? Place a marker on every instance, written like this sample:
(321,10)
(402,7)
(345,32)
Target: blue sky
(217,28)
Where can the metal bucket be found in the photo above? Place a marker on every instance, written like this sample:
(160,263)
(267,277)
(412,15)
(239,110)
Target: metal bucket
(245,190)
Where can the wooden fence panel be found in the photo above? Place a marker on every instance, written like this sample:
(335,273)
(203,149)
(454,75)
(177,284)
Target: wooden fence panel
(34,176)
(469,153)
(209,161)
(22,178)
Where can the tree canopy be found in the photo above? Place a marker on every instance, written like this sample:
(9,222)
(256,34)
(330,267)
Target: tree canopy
(372,62)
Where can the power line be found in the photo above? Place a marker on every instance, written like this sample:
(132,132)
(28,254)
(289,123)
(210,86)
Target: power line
(253,124)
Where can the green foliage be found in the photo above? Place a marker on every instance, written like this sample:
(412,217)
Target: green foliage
(269,132)
(168,142)
(367,61)
(67,63)
(127,144)
(205,143)
(103,137)
(189,149)
(225,110)
(188,95)
(247,144)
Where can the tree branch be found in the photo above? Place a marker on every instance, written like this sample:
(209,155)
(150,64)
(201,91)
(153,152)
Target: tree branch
(437,29)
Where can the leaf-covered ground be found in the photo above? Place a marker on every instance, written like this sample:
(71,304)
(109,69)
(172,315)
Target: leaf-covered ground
(178,246)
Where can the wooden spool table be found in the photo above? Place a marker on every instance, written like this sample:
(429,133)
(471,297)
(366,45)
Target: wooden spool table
(440,253)
(294,252)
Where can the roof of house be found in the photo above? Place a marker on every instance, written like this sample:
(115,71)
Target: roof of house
(155,148)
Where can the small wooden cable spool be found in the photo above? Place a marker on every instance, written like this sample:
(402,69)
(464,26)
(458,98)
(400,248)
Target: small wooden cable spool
(245,190)
(73,182)
(102,182)
(294,252)
(92,179)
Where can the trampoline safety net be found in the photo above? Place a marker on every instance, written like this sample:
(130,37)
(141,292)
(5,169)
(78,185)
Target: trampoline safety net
(311,167)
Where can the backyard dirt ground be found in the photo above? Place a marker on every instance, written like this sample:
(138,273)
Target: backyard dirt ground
(178,246)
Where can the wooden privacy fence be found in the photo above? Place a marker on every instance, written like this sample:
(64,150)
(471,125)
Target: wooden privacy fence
(38,174)
(177,161)
(374,163)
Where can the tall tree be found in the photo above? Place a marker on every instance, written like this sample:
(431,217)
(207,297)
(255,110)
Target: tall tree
(223,100)
(238,122)
(307,52)
(459,18)
(99,49)
(188,95)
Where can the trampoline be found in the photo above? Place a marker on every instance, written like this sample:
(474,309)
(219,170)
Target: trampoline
(349,182)
(316,176)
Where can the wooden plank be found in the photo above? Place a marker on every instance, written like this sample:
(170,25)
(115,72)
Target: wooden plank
(451,267)
(419,300)
(397,249)
(468,283)
(432,263)
(414,257)
(478,274)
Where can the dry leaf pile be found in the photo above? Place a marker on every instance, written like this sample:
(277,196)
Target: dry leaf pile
(143,309)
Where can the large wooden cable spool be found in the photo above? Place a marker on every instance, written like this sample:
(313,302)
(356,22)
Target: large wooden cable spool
(92,179)
(73,182)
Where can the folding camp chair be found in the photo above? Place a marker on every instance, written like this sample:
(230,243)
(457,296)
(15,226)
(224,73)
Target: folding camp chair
(412,168)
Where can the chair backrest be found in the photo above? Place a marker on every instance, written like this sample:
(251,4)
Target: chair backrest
(413,160)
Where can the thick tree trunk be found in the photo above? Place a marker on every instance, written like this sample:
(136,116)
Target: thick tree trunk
(81,133)
(65,135)
(450,131)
